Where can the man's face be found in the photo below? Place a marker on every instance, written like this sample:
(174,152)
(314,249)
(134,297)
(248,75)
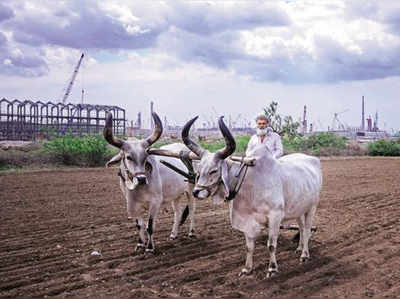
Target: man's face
(262,123)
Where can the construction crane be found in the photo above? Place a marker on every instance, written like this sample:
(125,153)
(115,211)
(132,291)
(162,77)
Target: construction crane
(336,123)
(71,82)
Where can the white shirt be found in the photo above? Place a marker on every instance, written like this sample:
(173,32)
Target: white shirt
(272,140)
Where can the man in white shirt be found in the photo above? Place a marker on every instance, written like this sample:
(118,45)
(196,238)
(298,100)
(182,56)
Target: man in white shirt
(265,135)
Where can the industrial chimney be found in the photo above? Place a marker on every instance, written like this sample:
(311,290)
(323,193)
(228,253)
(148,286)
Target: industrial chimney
(305,120)
(363,115)
(139,120)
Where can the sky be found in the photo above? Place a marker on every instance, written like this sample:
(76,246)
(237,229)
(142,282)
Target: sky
(208,58)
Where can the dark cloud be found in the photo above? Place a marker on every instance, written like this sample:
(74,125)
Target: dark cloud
(203,18)
(217,50)
(90,27)
(16,63)
(22,65)
(331,62)
(5,12)
(197,31)
(384,12)
(87,25)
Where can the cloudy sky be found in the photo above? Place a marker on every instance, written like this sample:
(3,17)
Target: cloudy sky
(208,58)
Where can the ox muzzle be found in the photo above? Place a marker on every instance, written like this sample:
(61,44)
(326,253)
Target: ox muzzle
(202,191)
(133,180)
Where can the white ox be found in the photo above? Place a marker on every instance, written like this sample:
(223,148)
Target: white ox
(272,191)
(146,183)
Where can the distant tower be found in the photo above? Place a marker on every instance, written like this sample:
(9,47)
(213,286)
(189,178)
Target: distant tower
(165,123)
(369,124)
(305,120)
(363,115)
(151,115)
(139,120)
(376,129)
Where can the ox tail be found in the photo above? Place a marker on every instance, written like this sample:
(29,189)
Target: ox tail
(184,215)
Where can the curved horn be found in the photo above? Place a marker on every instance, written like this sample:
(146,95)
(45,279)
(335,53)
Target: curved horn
(158,129)
(229,140)
(193,146)
(108,134)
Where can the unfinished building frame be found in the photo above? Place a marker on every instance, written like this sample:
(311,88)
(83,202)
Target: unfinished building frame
(28,120)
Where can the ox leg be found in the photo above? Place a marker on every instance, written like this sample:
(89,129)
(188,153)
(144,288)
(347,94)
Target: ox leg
(274,223)
(301,223)
(175,226)
(142,236)
(192,210)
(305,255)
(250,244)
(150,247)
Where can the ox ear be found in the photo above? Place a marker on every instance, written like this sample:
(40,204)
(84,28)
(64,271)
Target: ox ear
(225,177)
(117,158)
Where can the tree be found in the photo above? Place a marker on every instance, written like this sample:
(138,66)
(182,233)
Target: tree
(281,125)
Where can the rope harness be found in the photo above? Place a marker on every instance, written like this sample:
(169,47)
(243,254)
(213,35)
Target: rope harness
(239,178)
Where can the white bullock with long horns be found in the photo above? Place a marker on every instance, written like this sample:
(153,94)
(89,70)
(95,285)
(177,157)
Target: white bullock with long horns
(145,182)
(272,191)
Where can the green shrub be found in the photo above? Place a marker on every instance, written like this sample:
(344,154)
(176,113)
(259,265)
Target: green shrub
(314,142)
(81,151)
(384,147)
(213,146)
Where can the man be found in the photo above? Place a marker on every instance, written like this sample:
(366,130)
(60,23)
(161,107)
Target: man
(266,136)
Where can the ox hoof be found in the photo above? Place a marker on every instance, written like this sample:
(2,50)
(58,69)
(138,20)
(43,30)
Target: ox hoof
(139,247)
(172,237)
(304,259)
(244,272)
(272,273)
(150,251)
(299,249)
(192,235)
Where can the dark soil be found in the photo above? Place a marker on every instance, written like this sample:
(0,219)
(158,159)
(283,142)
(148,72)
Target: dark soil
(51,221)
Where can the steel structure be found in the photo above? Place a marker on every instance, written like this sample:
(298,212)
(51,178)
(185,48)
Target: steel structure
(28,120)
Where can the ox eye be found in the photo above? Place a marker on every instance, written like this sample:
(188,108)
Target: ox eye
(129,158)
(148,167)
(213,171)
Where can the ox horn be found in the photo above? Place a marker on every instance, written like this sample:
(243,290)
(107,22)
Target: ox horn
(192,145)
(229,140)
(158,129)
(108,134)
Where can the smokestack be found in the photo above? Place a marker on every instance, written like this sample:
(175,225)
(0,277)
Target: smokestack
(165,123)
(305,120)
(139,120)
(363,115)
(151,113)
(376,122)
(369,124)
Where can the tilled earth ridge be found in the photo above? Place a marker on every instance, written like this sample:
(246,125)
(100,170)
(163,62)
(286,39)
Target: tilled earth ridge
(50,222)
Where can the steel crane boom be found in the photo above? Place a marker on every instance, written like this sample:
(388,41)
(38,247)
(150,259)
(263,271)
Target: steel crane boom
(71,82)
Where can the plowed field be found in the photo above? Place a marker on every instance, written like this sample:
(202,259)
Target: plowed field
(51,221)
